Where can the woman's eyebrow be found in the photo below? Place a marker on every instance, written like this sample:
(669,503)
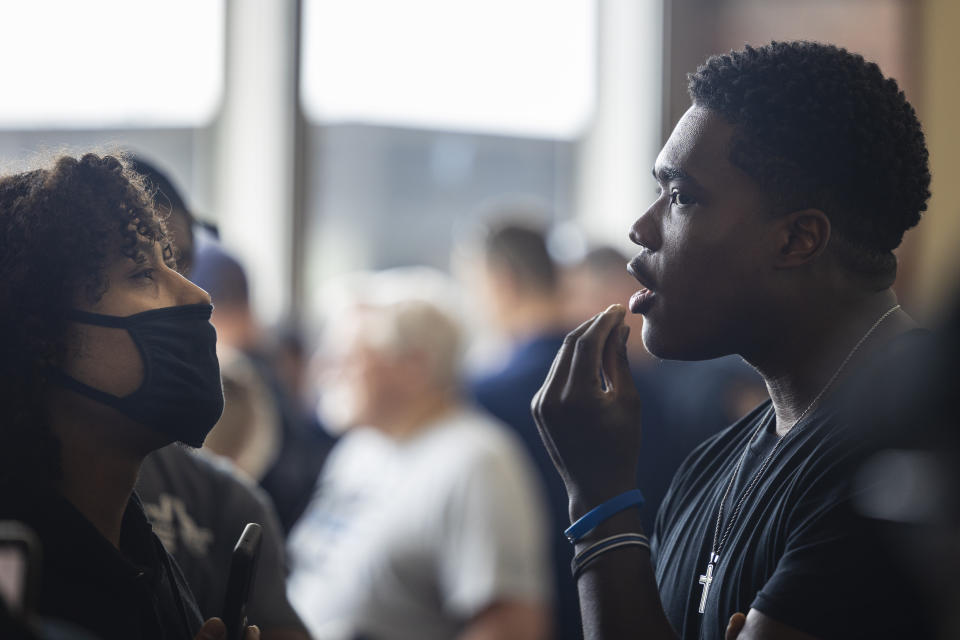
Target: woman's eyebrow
(150,246)
(145,249)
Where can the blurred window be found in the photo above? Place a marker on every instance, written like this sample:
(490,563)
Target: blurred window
(111,63)
(510,67)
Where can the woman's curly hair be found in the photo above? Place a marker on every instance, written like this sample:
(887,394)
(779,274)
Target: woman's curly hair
(60,227)
(819,127)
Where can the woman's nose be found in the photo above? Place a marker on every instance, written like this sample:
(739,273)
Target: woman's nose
(189,293)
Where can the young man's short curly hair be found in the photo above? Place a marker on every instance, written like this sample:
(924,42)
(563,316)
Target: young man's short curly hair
(819,127)
(60,227)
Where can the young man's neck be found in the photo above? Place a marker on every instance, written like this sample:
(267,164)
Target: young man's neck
(812,349)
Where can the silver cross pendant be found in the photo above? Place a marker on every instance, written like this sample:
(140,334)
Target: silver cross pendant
(706,579)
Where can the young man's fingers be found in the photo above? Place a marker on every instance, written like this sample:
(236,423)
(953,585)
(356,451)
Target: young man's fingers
(557,377)
(616,366)
(588,352)
(547,438)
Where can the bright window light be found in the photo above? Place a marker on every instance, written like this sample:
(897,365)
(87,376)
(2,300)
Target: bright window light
(520,67)
(110,63)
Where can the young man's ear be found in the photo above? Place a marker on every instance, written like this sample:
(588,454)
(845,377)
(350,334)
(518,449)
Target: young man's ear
(802,235)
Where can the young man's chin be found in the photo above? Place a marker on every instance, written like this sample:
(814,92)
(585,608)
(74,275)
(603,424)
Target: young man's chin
(657,343)
(665,344)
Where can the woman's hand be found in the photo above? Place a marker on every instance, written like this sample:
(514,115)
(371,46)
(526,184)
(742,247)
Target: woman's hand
(214,629)
(588,412)
(735,626)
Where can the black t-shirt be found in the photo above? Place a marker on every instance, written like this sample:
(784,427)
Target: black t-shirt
(798,551)
(133,592)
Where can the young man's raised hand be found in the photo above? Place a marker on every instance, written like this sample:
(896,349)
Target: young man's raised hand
(588,412)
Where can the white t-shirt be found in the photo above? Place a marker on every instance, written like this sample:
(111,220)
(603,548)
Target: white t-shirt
(411,539)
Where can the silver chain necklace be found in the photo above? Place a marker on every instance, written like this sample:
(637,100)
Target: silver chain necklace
(718,540)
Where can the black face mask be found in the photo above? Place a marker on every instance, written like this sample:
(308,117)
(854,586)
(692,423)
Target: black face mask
(181,395)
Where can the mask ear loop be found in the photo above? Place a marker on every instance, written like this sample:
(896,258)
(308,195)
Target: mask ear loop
(98,319)
(123,322)
(68,382)
(111,322)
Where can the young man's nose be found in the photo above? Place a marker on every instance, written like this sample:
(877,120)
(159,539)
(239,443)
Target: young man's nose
(645,231)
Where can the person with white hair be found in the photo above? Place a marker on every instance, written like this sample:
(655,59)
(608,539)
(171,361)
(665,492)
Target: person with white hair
(427,521)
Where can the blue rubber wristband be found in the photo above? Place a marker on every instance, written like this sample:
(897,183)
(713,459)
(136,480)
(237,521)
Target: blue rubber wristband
(595,516)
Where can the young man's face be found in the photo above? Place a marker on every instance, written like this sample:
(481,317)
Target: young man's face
(707,245)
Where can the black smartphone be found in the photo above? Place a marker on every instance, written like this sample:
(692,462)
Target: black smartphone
(19,568)
(243,567)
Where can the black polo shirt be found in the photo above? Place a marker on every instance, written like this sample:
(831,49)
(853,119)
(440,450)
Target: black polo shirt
(136,591)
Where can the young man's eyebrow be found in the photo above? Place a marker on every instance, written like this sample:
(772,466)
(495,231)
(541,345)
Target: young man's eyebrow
(668,173)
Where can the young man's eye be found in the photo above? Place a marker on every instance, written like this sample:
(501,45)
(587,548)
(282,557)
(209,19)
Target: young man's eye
(680,199)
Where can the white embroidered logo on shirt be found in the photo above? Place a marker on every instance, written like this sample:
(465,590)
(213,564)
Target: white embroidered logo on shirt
(162,516)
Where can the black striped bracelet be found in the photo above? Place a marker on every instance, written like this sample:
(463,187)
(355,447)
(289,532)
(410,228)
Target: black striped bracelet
(597,549)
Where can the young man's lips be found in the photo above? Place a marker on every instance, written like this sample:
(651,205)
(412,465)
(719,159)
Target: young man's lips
(641,301)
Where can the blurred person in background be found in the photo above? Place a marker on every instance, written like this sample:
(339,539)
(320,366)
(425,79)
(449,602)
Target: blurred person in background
(180,221)
(683,402)
(248,432)
(290,357)
(519,288)
(198,505)
(427,522)
(910,484)
(303,446)
(108,355)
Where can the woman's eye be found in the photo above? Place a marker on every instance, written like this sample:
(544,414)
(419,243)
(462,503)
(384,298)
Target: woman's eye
(146,274)
(680,199)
